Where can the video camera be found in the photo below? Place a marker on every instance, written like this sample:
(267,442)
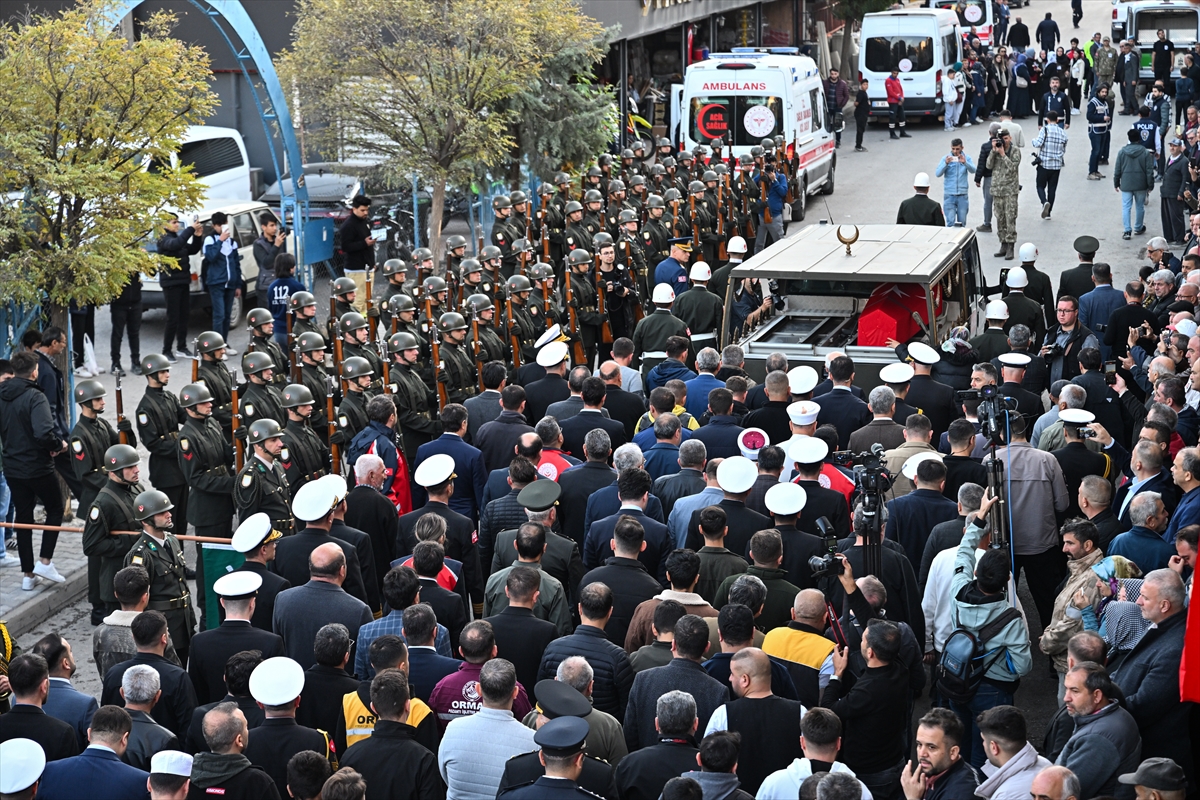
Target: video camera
(992,404)
(868,467)
(829,563)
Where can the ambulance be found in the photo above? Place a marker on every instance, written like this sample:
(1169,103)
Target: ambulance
(750,94)
(1141,20)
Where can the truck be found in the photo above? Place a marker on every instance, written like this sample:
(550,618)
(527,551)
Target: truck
(850,289)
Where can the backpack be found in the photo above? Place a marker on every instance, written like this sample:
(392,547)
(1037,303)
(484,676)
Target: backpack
(965,660)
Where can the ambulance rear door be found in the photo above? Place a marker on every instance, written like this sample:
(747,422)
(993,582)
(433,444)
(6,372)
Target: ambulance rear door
(742,102)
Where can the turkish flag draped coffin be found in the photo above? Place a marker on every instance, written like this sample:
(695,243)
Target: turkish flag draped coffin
(888,313)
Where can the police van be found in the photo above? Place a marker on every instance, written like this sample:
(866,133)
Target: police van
(750,94)
(1140,20)
(919,43)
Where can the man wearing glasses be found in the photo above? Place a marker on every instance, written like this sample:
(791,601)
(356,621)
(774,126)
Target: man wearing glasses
(1157,249)
(1065,339)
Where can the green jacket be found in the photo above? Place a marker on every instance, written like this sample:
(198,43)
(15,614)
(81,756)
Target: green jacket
(781,595)
(1005,177)
(1134,171)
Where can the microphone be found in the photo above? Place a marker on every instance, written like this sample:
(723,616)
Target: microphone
(877,449)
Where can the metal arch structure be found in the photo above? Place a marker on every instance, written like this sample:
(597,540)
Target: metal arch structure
(274,113)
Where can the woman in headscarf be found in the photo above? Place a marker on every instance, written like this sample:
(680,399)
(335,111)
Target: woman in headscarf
(1019,90)
(958,356)
(1003,70)
(1117,617)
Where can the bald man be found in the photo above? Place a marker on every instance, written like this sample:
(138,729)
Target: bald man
(302,610)
(1055,783)
(803,639)
(766,722)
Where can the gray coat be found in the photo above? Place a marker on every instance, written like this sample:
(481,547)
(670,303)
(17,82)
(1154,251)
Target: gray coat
(303,610)
(1103,746)
(481,408)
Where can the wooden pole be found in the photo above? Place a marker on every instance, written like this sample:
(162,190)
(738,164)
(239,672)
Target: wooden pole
(60,529)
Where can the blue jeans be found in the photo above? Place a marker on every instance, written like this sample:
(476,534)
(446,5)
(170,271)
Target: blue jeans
(222,304)
(1138,201)
(988,696)
(1099,150)
(955,206)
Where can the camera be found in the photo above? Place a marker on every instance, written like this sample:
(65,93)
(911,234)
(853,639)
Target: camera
(992,410)
(829,563)
(1054,351)
(843,458)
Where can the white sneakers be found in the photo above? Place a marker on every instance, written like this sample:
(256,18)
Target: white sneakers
(47,571)
(28,583)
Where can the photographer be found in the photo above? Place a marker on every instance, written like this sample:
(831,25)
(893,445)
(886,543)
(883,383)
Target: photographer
(1004,161)
(777,190)
(1065,339)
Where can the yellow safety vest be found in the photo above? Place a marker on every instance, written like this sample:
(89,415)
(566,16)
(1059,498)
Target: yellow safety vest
(360,719)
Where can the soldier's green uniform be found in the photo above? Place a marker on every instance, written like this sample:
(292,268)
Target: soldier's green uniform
(307,325)
(305,458)
(206,458)
(111,510)
(219,381)
(1006,186)
(352,413)
(169,594)
(458,367)
(655,238)
(651,334)
(264,487)
(358,350)
(316,379)
(159,417)
(416,417)
(526,323)
(437,291)
(701,219)
(261,401)
(261,342)
(586,302)
(550,313)
(549,218)
(395,271)
(631,256)
(701,311)
(489,346)
(578,233)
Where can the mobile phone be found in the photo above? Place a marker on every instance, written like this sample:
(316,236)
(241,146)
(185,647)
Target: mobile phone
(1110,372)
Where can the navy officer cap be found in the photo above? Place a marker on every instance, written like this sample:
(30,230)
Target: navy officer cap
(540,495)
(557,699)
(563,736)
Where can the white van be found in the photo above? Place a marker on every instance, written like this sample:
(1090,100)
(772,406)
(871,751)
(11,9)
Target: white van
(922,43)
(1140,20)
(218,158)
(751,94)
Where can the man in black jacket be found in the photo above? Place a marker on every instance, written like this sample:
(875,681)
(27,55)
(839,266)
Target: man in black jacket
(496,439)
(1132,315)
(174,708)
(29,677)
(355,236)
(206,666)
(180,243)
(642,774)
(939,735)
(326,682)
(521,637)
(581,482)
(270,244)
(688,481)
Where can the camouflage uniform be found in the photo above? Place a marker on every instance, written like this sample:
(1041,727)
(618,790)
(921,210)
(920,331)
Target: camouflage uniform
(1006,185)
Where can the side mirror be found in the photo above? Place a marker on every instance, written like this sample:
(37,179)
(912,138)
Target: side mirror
(837,122)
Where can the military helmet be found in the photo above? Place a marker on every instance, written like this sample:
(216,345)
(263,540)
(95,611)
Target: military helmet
(604,160)
(454,242)
(259,316)
(254,363)
(561,177)
(394,266)
(668,162)
(490,252)
(768,143)
(542,271)
(522,245)
(263,429)
(501,201)
(478,303)
(434,285)
(451,321)
(756,152)
(663,141)
(603,237)
(578,257)
(695,187)
(545,189)
(699,151)
(401,302)
(572,207)
(627,152)
(310,341)
(155,362)
(709,175)
(519,283)
(470,265)
(595,172)
(637,180)
(518,197)
(721,169)
(655,201)
(717,142)
(301,300)
(746,160)
(297,394)
(351,321)
(194,394)
(403,340)
(616,185)
(344,286)
(593,196)
(657,171)
(671,195)
(686,157)
(356,367)
(120,456)
(627,215)
(422,254)
(210,342)
(151,503)
(89,389)
(639,146)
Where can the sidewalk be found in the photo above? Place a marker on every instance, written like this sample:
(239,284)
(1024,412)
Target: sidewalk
(23,610)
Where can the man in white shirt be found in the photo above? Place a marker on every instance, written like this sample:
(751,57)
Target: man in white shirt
(820,739)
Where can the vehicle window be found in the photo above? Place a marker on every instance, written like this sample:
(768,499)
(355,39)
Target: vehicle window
(815,103)
(210,156)
(243,227)
(906,53)
(950,48)
(970,12)
(743,120)
(1179,24)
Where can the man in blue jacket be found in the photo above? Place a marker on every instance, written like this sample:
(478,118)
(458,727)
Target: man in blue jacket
(953,169)
(99,767)
(222,273)
(777,190)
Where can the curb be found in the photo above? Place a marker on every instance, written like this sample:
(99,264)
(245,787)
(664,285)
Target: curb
(44,605)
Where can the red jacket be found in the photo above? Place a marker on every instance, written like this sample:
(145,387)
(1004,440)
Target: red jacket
(895,92)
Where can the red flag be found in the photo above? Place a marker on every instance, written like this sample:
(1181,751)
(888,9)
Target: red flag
(1189,665)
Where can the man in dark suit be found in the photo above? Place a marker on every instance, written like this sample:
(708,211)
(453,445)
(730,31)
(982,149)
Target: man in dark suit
(292,553)
(369,511)
(920,209)
(882,429)
(785,501)
(577,427)
(1149,475)
(174,709)
(563,410)
(425,666)
(994,340)
(721,433)
(562,558)
(841,408)
(485,406)
(277,684)
(688,481)
(65,702)
(470,474)
(257,541)
(327,681)
(302,610)
(808,457)
(1131,315)
(520,636)
(1102,401)
(29,679)
(98,771)
(427,561)
(936,400)
(238,669)
(623,406)
(139,690)
(364,547)
(581,482)
(437,475)
(628,578)
(633,490)
(496,439)
(554,358)
(772,417)
(736,477)
(605,502)
(206,665)
(912,517)
(1012,372)
(1077,281)
(826,385)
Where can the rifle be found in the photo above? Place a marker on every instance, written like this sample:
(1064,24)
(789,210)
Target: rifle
(331,428)
(577,351)
(545,235)
(695,225)
(478,347)
(674,219)
(395,317)
(479,240)
(291,343)
(437,367)
(513,339)
(746,215)
(333,321)
(196,363)
(337,356)
(238,448)
(627,257)
(297,365)
(386,366)
(722,255)
(762,194)
(370,304)
(123,435)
